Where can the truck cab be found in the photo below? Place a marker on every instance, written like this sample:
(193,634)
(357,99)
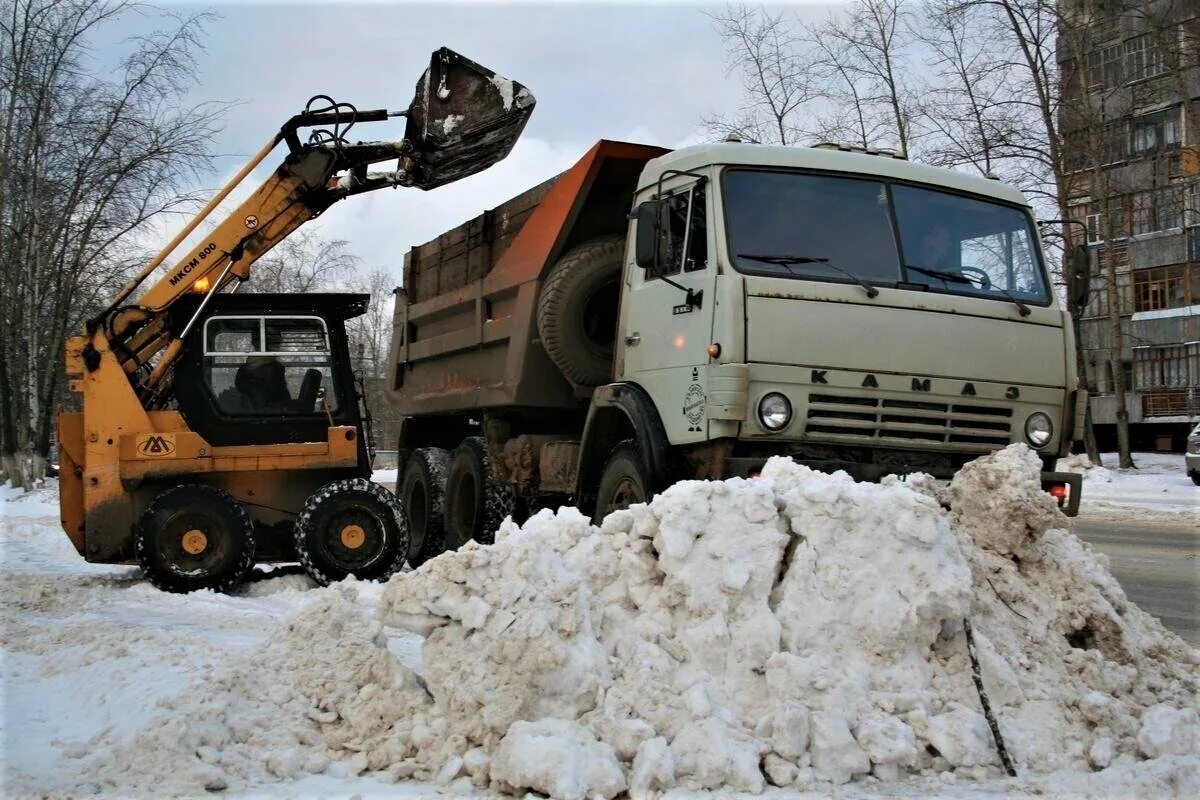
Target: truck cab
(851,310)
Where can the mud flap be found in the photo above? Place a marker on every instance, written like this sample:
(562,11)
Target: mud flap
(463,119)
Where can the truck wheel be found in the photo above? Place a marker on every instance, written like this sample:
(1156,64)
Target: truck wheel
(351,527)
(577,310)
(422,496)
(475,503)
(195,537)
(623,481)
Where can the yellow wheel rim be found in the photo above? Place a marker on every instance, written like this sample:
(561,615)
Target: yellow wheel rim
(353,537)
(195,542)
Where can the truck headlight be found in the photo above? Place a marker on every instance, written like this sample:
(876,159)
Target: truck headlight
(1039,429)
(774,411)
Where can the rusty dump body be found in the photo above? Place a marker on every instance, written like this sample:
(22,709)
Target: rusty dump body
(464,332)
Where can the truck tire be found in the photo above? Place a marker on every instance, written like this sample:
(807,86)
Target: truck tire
(475,503)
(577,310)
(351,527)
(623,481)
(193,537)
(422,492)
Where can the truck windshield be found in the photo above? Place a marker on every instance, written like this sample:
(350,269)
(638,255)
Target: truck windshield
(836,228)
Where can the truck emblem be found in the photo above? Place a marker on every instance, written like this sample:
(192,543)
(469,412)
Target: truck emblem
(693,406)
(869,382)
(156,445)
(1012,393)
(919,385)
(969,388)
(818,376)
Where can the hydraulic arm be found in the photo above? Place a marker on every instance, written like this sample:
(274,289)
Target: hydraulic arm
(463,119)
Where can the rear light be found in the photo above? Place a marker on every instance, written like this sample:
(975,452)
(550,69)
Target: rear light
(1060,492)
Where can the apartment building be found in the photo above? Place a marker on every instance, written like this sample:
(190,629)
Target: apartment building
(1131,89)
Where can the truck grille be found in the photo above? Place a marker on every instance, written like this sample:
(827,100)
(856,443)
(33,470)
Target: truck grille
(883,420)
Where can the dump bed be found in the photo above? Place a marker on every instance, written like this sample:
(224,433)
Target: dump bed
(464,332)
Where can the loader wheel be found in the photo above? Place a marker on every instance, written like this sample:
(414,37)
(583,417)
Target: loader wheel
(195,537)
(351,527)
(476,503)
(623,481)
(577,310)
(422,496)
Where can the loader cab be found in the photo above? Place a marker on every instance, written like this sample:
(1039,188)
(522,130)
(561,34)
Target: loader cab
(260,369)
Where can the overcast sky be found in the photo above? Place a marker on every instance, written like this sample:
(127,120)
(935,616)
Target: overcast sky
(616,70)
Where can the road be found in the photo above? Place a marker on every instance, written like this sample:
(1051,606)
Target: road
(1157,566)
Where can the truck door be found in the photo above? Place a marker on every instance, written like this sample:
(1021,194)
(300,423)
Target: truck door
(663,340)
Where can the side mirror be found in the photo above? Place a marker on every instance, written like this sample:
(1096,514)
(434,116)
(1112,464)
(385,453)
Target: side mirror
(645,247)
(1079,275)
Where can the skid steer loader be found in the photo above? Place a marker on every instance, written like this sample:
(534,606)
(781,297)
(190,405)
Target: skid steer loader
(219,430)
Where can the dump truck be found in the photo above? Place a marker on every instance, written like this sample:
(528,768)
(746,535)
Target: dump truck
(220,430)
(649,316)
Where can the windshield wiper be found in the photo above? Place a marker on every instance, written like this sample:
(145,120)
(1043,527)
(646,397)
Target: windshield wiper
(949,277)
(958,277)
(787,261)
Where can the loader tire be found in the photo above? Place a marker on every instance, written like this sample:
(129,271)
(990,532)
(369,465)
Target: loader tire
(577,310)
(193,537)
(422,493)
(475,502)
(623,481)
(351,527)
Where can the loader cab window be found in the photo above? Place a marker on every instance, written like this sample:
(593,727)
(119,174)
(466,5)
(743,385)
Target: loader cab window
(682,233)
(267,365)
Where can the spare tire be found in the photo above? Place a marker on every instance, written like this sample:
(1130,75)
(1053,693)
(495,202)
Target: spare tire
(577,310)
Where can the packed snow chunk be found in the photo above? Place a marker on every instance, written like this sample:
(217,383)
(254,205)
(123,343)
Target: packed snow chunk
(558,758)
(710,754)
(1168,731)
(999,502)
(322,692)
(653,768)
(515,639)
(836,756)
(889,741)
(963,738)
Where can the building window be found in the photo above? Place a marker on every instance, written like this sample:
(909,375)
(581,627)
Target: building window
(1156,210)
(1175,286)
(1153,133)
(1104,67)
(1142,59)
(1093,228)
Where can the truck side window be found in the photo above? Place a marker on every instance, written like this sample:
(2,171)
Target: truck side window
(268,365)
(683,240)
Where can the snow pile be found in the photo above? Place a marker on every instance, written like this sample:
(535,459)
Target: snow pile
(797,630)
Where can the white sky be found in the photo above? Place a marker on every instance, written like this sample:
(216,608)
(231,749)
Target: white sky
(617,70)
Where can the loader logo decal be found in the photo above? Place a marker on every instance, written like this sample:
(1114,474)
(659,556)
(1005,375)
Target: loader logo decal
(156,445)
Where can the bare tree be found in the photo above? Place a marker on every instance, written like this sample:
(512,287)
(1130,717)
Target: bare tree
(304,262)
(371,333)
(866,52)
(968,114)
(86,160)
(764,50)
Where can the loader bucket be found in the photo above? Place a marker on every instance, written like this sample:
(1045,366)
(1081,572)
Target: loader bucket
(463,119)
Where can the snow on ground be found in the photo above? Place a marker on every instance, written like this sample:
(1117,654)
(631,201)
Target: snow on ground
(1157,489)
(799,630)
